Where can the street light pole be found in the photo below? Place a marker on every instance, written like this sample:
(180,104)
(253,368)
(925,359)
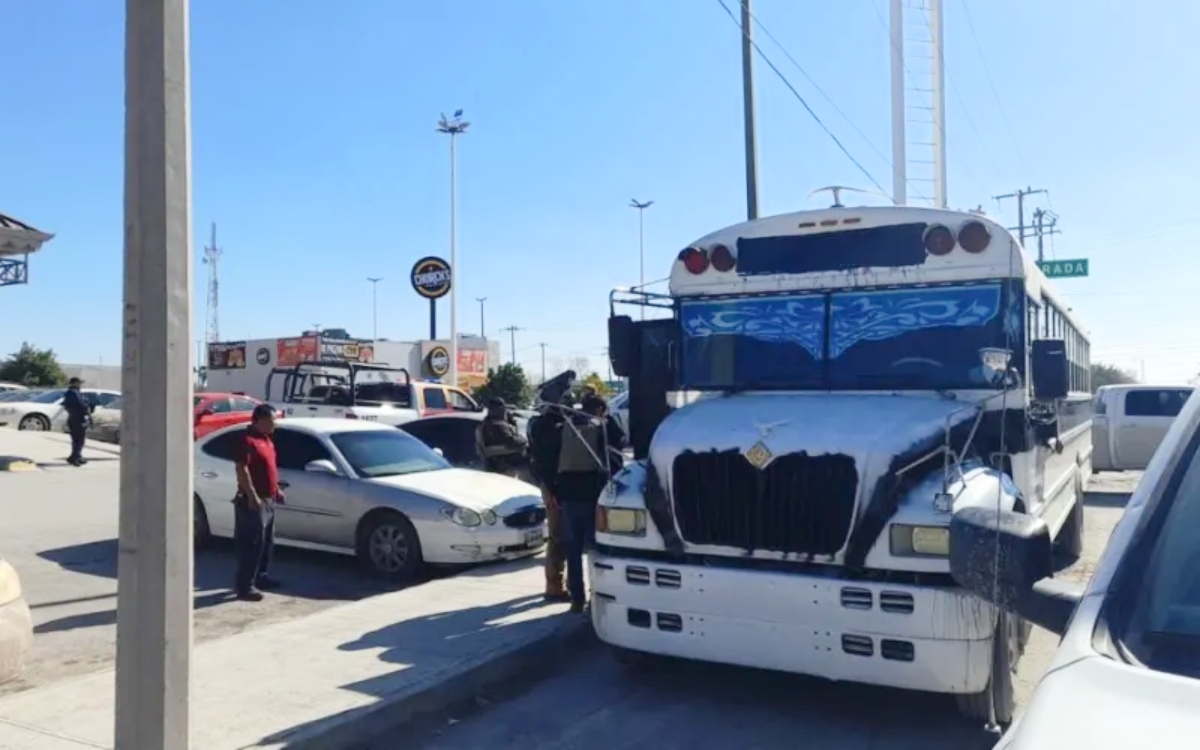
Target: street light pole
(482,330)
(641,209)
(453,127)
(374,308)
(154,566)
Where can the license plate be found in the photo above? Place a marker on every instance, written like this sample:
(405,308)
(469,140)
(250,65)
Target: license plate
(534,537)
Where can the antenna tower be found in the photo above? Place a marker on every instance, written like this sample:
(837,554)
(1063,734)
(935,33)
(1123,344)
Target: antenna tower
(212,254)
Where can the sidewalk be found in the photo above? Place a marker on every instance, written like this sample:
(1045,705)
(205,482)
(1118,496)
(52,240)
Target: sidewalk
(333,678)
(49,450)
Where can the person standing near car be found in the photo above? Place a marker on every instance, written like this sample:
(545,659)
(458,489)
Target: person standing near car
(502,446)
(585,463)
(254,506)
(544,444)
(78,410)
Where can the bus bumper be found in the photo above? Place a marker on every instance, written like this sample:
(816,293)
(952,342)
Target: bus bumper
(918,638)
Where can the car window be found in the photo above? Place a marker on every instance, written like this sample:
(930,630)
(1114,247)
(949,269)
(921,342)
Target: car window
(220,406)
(1163,627)
(48,397)
(461,402)
(224,446)
(242,404)
(106,399)
(435,398)
(293,450)
(1156,402)
(197,400)
(116,403)
(454,437)
(385,453)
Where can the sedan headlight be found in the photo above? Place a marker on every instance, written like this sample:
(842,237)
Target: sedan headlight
(920,541)
(621,521)
(470,518)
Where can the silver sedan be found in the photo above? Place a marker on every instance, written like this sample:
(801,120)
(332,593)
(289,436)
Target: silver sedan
(368,489)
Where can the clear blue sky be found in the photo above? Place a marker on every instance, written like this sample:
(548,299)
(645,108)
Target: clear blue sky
(314,151)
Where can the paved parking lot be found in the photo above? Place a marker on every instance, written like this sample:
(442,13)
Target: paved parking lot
(59,530)
(592,704)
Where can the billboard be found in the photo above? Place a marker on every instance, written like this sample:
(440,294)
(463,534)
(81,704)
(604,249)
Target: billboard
(291,352)
(228,355)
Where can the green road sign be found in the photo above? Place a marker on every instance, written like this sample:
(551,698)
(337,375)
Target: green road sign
(1064,269)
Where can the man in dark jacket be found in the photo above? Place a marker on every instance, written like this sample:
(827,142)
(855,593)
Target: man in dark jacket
(78,410)
(587,459)
(544,445)
(500,442)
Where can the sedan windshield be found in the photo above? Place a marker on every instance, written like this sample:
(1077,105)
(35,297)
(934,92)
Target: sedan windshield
(386,453)
(48,397)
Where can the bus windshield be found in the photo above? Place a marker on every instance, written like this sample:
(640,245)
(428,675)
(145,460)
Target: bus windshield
(929,338)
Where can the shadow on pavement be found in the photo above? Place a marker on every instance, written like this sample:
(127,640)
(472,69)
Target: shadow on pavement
(305,574)
(1105,499)
(423,646)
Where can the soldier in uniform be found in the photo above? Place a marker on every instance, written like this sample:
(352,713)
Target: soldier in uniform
(500,443)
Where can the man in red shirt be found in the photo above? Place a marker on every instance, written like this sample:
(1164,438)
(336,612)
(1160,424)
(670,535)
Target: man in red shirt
(254,506)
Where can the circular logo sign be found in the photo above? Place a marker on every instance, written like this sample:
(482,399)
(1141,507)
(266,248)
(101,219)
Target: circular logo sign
(262,356)
(439,361)
(431,277)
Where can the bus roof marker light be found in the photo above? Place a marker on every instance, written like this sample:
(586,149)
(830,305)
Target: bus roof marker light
(938,240)
(695,260)
(722,259)
(974,236)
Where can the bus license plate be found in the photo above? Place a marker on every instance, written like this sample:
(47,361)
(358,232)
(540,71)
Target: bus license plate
(534,537)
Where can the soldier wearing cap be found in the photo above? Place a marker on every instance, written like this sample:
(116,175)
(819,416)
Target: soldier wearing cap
(78,412)
(502,446)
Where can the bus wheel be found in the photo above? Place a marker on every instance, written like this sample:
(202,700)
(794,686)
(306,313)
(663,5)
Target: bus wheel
(998,699)
(1069,544)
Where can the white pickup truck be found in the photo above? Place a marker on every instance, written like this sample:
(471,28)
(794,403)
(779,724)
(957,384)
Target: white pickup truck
(378,393)
(1129,422)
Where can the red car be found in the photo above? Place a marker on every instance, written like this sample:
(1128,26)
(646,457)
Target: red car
(216,410)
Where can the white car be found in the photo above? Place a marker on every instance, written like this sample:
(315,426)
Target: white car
(10,387)
(371,490)
(44,412)
(1127,672)
(16,625)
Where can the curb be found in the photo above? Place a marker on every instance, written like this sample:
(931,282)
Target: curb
(353,728)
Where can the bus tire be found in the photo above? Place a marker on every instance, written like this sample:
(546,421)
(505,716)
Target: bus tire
(998,700)
(1069,544)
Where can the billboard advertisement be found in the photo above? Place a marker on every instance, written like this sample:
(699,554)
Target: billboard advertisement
(227,355)
(472,363)
(291,352)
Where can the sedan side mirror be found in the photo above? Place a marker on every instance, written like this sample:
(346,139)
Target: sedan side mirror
(1006,558)
(322,466)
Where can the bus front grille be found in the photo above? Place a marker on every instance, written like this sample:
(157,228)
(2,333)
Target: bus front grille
(797,504)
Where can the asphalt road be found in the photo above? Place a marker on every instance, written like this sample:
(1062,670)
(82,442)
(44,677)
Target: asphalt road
(58,528)
(592,704)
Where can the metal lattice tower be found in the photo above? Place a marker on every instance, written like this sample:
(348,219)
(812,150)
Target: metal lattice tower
(918,101)
(212,254)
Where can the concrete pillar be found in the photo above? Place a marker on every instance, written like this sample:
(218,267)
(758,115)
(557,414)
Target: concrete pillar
(154,596)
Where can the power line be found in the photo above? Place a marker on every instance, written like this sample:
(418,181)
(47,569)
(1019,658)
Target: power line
(992,84)
(804,103)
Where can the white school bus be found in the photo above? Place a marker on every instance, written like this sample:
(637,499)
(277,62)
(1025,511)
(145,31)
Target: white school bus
(828,388)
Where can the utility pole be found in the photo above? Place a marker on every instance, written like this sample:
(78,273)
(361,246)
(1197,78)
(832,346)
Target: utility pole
(641,207)
(748,111)
(482,329)
(154,562)
(543,362)
(1020,195)
(453,127)
(375,307)
(512,332)
(1041,228)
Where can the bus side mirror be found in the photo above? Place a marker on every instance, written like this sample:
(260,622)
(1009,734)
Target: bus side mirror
(623,345)
(1051,371)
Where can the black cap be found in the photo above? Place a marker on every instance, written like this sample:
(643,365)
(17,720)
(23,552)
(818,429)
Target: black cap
(75,381)
(496,403)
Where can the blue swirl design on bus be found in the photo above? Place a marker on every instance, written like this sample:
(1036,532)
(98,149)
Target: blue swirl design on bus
(785,320)
(878,316)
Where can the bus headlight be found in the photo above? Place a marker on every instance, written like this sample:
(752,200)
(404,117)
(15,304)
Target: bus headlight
(622,521)
(920,541)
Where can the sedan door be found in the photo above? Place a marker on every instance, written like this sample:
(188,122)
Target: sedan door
(216,480)
(318,505)
(453,436)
